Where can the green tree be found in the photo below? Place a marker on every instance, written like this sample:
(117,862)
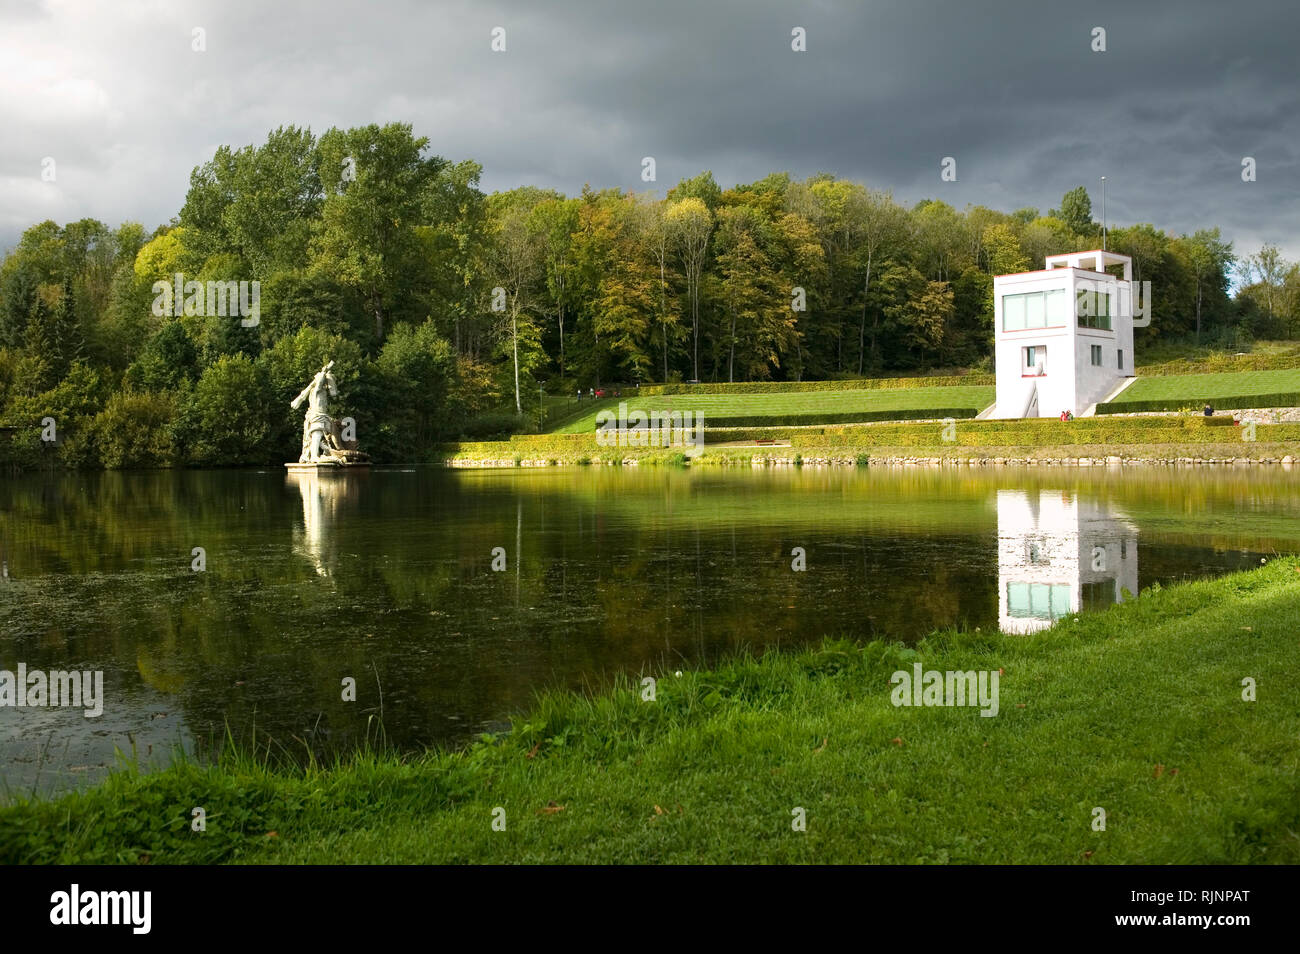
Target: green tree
(1075,211)
(1002,249)
(167,361)
(417,370)
(225,420)
(366,236)
(1210,261)
(702,187)
(517,271)
(691,225)
(457,213)
(258,202)
(135,430)
(876,224)
(1266,270)
(553,222)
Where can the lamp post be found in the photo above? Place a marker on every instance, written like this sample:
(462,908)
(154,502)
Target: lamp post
(1103,213)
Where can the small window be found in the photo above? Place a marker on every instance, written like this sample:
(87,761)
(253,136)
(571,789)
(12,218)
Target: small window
(1120,359)
(1035,359)
(1096,356)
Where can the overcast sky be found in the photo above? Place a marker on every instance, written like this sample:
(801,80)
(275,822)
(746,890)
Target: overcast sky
(1013,91)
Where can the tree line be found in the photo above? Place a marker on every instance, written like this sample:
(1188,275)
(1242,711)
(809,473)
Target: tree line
(449,311)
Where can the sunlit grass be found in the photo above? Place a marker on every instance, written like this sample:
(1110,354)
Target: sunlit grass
(1137,710)
(776,406)
(1197,389)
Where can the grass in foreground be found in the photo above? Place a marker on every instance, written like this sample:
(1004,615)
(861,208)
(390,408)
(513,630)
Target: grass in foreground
(1137,710)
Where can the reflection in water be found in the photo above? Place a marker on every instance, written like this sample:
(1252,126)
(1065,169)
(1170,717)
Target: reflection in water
(1059,553)
(388,578)
(323,498)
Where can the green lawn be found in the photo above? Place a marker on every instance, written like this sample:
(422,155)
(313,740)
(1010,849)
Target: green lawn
(1137,711)
(794,404)
(1227,388)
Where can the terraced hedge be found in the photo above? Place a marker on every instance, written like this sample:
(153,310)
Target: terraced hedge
(783,387)
(845,417)
(1043,432)
(1050,432)
(1276,399)
(1219,361)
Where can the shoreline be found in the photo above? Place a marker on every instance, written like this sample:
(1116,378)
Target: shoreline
(707,770)
(1283,456)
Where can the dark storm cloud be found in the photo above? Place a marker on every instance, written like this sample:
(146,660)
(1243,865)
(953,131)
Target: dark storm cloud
(1012,91)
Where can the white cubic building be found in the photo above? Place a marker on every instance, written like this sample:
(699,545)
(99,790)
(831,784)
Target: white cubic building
(1063,336)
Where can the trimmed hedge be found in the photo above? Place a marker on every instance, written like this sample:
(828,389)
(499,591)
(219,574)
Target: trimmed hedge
(1284,399)
(878,452)
(1034,434)
(843,417)
(1220,361)
(1038,432)
(858,384)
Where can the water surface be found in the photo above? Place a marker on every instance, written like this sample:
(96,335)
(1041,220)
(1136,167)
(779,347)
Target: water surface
(387,578)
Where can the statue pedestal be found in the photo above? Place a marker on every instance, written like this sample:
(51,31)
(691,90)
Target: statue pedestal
(327,467)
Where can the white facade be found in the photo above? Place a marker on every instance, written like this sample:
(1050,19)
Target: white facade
(1063,336)
(1060,554)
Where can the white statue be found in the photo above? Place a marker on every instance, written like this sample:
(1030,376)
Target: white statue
(318,427)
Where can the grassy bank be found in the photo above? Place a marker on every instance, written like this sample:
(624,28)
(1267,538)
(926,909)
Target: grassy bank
(1137,710)
(800,407)
(1157,438)
(1228,389)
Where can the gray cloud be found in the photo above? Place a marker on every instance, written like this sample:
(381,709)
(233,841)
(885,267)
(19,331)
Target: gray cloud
(1011,90)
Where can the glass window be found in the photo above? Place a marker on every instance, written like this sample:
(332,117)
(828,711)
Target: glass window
(1096,356)
(1043,309)
(1057,313)
(1093,308)
(1035,311)
(1120,361)
(1060,600)
(1038,600)
(1018,599)
(1013,312)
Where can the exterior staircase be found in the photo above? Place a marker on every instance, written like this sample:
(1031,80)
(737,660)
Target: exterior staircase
(1091,409)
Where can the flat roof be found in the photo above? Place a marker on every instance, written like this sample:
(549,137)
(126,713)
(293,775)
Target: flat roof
(1094,251)
(1054,271)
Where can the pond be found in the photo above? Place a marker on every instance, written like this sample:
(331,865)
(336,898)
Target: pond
(388,579)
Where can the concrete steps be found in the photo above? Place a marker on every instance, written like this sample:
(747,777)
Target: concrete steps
(1091,409)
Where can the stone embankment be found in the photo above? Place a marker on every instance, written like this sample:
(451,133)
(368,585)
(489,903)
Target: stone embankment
(840,460)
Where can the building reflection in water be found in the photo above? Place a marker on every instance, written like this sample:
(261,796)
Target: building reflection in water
(1059,553)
